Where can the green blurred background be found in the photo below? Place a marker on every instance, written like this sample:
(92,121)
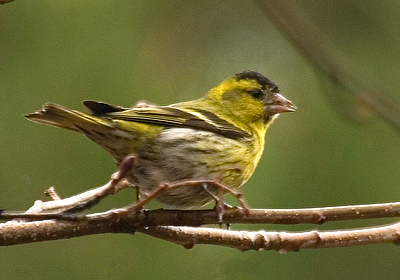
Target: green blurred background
(169,51)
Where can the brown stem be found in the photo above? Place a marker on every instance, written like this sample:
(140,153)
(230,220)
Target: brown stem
(282,242)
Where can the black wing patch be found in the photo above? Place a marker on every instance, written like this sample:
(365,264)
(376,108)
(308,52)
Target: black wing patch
(100,108)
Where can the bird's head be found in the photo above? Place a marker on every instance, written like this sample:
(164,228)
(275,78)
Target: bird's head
(252,99)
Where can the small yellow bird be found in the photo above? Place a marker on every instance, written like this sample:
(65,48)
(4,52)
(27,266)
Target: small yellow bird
(218,137)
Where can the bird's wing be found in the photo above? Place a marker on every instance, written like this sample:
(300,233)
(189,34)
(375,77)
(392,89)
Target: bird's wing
(168,116)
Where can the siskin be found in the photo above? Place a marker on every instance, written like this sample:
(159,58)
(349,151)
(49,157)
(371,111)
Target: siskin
(218,137)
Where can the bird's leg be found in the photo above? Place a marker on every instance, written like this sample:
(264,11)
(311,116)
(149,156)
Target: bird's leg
(220,205)
(219,202)
(146,198)
(124,168)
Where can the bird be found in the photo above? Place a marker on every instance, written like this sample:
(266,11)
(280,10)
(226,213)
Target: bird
(219,137)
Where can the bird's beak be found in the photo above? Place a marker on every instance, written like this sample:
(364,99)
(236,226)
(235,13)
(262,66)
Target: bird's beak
(277,104)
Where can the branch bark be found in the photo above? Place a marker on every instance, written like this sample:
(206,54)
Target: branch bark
(120,221)
(283,242)
(41,223)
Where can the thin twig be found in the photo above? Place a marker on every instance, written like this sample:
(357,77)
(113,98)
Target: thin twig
(58,219)
(326,57)
(282,242)
(86,199)
(2,2)
(15,232)
(82,200)
(157,222)
(235,215)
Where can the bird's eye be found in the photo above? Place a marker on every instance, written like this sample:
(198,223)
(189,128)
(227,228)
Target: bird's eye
(257,94)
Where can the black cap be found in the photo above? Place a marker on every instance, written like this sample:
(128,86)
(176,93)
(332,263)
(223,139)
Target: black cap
(260,78)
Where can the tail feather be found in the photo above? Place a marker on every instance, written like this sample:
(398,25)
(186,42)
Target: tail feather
(59,116)
(103,131)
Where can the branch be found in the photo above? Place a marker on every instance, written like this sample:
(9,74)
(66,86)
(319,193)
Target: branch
(326,58)
(2,2)
(202,217)
(42,222)
(119,221)
(283,242)
(59,219)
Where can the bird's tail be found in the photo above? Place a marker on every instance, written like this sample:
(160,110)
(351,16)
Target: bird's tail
(59,116)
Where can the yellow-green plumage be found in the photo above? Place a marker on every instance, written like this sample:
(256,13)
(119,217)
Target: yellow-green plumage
(218,137)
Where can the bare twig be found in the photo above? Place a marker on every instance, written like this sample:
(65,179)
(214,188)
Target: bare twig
(58,219)
(20,232)
(15,232)
(37,226)
(2,2)
(80,201)
(282,242)
(86,199)
(235,215)
(325,56)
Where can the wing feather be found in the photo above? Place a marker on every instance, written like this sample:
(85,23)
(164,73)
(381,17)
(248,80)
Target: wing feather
(168,116)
